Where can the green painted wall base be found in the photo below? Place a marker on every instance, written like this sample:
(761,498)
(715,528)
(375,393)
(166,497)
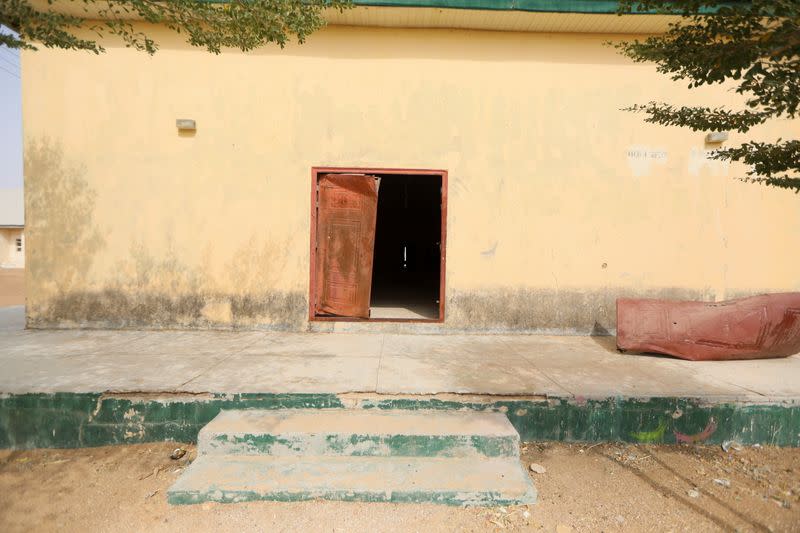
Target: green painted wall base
(446,498)
(359,433)
(70,420)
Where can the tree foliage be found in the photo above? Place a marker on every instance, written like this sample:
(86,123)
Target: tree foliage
(754,45)
(209,24)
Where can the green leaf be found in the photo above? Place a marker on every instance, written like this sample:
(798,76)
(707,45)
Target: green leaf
(244,25)
(753,46)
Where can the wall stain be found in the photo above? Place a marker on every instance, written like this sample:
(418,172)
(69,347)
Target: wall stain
(490,251)
(61,235)
(149,290)
(256,289)
(583,312)
(290,307)
(115,309)
(161,292)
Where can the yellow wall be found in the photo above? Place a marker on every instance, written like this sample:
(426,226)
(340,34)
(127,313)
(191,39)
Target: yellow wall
(10,257)
(134,224)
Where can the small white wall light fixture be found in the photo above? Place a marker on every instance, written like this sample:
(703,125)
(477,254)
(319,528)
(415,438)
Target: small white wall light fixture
(717,137)
(186,124)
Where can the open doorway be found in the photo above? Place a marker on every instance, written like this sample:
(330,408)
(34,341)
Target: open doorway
(378,244)
(407,260)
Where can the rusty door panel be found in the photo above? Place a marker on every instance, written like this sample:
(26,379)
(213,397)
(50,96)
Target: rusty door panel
(346,217)
(748,328)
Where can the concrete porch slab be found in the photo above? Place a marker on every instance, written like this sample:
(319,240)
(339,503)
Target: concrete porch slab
(288,374)
(84,388)
(259,362)
(431,364)
(316,346)
(92,372)
(590,367)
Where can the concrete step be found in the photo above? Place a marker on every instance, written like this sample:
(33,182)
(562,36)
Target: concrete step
(453,481)
(359,432)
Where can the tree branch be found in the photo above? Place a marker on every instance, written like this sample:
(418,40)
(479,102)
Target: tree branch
(699,118)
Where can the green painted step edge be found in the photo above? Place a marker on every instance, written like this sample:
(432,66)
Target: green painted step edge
(69,420)
(364,445)
(439,497)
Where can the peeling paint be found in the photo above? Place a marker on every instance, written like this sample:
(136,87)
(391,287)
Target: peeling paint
(362,445)
(68,420)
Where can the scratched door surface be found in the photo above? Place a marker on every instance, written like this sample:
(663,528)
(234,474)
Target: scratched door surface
(347,210)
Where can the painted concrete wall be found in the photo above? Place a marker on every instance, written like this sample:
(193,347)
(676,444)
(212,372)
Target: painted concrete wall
(558,201)
(10,255)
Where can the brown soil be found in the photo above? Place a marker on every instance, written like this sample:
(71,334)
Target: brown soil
(606,487)
(12,286)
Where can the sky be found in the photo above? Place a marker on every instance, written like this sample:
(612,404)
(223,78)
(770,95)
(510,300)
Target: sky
(10,118)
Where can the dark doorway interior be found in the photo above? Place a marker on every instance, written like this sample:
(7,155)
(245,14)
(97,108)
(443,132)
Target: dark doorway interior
(407,260)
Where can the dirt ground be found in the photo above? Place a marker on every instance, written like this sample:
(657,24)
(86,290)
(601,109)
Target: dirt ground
(605,487)
(12,286)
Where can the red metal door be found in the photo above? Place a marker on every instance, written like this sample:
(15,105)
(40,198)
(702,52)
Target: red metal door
(347,209)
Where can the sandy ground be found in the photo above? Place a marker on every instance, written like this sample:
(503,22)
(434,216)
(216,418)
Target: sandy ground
(605,487)
(12,286)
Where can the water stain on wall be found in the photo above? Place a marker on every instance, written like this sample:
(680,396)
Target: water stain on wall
(112,308)
(149,290)
(161,291)
(62,237)
(255,288)
(549,311)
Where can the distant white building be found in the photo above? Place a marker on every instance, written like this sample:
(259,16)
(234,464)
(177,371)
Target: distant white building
(12,228)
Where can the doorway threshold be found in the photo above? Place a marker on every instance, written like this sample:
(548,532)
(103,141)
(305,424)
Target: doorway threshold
(402,313)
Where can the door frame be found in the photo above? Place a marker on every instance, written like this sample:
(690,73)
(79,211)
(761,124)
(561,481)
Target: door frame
(312,291)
